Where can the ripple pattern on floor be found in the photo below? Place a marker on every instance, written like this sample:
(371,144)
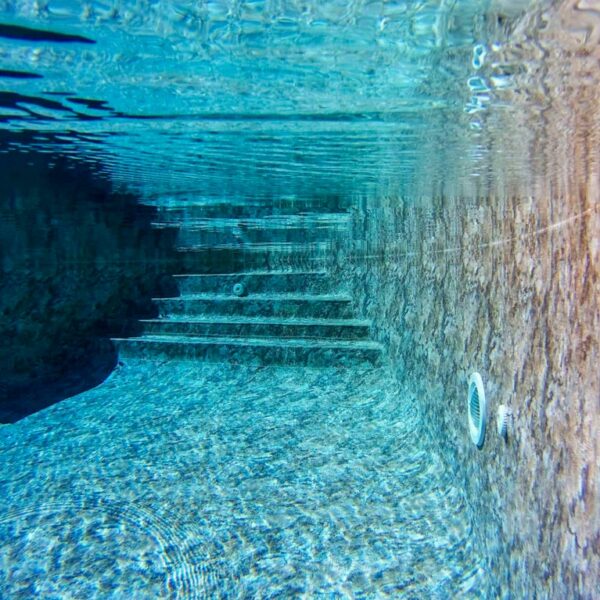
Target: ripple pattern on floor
(186,480)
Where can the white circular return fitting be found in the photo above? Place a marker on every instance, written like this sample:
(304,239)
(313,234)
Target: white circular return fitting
(477,407)
(502,417)
(239,289)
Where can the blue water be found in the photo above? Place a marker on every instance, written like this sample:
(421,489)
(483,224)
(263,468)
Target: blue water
(255,129)
(259,99)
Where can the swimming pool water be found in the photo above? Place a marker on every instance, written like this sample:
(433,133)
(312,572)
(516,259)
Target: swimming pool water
(406,192)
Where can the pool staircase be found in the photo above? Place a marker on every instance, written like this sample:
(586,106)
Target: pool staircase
(264,295)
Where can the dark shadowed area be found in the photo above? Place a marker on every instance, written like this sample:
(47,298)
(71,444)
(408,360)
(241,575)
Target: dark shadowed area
(78,262)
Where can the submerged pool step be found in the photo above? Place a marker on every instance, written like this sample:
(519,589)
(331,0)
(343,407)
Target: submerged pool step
(258,305)
(259,327)
(265,224)
(255,282)
(313,352)
(193,238)
(182,209)
(264,248)
(235,260)
(271,301)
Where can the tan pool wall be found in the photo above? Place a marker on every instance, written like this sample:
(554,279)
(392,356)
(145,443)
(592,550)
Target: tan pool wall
(507,282)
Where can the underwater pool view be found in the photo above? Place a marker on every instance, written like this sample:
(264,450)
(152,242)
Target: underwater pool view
(253,252)
(204,480)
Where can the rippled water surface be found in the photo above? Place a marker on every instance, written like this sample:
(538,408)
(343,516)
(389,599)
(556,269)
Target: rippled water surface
(260,99)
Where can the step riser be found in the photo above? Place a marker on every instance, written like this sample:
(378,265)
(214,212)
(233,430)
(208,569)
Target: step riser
(354,332)
(314,357)
(199,238)
(341,221)
(234,260)
(255,284)
(269,251)
(336,309)
(310,209)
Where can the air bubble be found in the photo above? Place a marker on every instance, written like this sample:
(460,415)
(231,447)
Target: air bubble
(477,84)
(479,54)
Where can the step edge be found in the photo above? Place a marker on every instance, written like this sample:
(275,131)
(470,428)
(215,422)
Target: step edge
(276,297)
(252,273)
(266,341)
(222,319)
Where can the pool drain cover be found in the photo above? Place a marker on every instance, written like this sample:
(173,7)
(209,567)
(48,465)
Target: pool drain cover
(477,407)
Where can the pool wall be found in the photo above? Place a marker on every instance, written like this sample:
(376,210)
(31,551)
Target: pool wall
(507,284)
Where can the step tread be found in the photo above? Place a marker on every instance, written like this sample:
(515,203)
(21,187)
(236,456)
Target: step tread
(254,246)
(267,222)
(264,320)
(262,297)
(185,202)
(257,341)
(253,274)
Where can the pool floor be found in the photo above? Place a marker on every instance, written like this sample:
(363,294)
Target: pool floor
(198,480)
